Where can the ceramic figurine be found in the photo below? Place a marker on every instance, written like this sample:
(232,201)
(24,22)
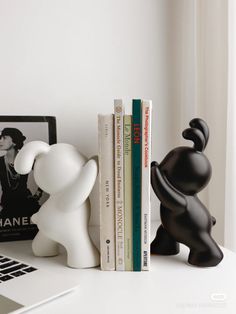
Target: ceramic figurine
(68,176)
(183,173)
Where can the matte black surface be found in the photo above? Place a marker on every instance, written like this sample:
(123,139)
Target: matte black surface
(176,181)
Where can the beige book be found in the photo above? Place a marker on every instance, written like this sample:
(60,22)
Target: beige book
(119,182)
(106,191)
(128,191)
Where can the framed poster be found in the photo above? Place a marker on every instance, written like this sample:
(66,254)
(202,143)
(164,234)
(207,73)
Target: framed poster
(20,197)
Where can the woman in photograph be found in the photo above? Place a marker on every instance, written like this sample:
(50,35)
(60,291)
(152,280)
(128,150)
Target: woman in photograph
(17,200)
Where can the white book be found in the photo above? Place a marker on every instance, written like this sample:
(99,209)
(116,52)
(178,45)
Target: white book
(119,183)
(145,184)
(106,190)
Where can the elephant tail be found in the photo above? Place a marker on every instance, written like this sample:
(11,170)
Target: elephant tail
(213,220)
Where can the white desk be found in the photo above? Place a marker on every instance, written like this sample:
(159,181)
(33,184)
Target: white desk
(171,286)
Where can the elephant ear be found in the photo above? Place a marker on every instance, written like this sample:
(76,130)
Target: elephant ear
(201,125)
(196,136)
(77,193)
(25,158)
(198,133)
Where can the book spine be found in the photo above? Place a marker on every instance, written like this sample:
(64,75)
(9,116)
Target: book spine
(128,191)
(145,183)
(106,191)
(136,183)
(119,182)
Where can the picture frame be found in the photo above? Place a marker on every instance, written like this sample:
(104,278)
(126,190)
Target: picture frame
(20,197)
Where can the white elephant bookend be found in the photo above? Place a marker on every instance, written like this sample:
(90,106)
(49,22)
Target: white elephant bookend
(68,176)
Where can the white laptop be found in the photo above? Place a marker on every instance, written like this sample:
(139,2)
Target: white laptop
(23,286)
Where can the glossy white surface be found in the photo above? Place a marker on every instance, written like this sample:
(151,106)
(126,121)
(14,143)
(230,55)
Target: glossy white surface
(171,286)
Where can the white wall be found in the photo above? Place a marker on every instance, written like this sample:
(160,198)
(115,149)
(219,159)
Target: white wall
(71,58)
(197,52)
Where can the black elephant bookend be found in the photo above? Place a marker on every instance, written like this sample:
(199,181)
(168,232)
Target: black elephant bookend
(183,173)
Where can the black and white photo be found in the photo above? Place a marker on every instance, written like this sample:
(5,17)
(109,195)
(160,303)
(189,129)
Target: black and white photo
(20,197)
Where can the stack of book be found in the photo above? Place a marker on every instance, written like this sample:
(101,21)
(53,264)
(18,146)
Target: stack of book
(124,186)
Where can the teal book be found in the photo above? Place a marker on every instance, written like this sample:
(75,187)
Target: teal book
(136,182)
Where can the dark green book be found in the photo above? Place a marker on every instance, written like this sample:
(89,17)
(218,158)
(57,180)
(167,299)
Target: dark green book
(136,182)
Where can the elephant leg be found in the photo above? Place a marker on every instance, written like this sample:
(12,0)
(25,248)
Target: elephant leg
(43,246)
(164,243)
(205,252)
(81,252)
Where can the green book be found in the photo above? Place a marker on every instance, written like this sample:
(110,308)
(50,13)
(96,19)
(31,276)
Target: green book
(136,182)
